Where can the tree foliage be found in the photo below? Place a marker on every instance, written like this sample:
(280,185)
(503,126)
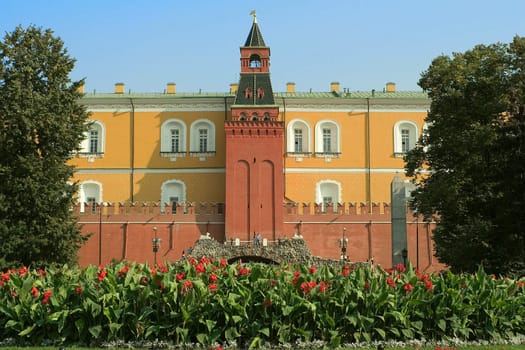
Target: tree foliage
(469,164)
(41,124)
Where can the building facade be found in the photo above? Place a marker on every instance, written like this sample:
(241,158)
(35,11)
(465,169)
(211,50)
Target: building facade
(250,153)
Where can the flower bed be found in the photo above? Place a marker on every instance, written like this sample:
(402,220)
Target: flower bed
(211,302)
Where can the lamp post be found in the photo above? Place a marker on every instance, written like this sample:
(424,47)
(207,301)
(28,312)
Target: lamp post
(417,239)
(343,243)
(155,242)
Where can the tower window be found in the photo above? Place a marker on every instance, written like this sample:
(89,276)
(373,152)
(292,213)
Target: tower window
(248,93)
(255,61)
(260,93)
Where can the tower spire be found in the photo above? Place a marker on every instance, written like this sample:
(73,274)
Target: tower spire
(254,16)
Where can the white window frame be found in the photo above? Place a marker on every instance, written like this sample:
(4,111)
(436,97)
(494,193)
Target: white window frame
(398,138)
(170,189)
(195,128)
(307,139)
(89,189)
(335,138)
(85,145)
(165,135)
(328,188)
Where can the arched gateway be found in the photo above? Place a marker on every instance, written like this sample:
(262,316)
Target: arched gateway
(292,250)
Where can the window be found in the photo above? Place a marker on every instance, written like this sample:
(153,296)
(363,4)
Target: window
(202,137)
(94,139)
(89,192)
(327,139)
(255,61)
(298,140)
(405,137)
(173,138)
(203,140)
(173,201)
(172,192)
(92,201)
(328,192)
(405,140)
(327,200)
(299,143)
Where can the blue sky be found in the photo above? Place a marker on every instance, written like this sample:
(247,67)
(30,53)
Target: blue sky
(361,44)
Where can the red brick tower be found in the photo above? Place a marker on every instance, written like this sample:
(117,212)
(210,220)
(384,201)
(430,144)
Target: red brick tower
(254,149)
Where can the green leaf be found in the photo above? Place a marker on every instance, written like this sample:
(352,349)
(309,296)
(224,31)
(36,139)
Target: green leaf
(442,325)
(287,310)
(210,324)
(95,331)
(231,333)
(27,331)
(255,343)
(380,332)
(265,331)
(202,338)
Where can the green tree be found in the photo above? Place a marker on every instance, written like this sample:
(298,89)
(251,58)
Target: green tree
(41,124)
(469,164)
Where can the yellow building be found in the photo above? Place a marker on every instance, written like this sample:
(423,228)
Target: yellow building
(340,146)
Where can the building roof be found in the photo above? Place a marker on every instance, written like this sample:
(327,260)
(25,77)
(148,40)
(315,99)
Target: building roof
(291,95)
(255,38)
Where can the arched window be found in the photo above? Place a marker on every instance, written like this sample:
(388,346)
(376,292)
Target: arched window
(298,132)
(327,138)
(255,116)
(405,136)
(255,61)
(172,193)
(94,140)
(89,192)
(328,192)
(248,93)
(202,136)
(173,136)
(260,93)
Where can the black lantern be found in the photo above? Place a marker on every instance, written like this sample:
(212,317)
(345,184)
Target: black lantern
(343,243)
(155,242)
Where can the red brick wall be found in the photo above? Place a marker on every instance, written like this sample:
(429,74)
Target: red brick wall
(126,233)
